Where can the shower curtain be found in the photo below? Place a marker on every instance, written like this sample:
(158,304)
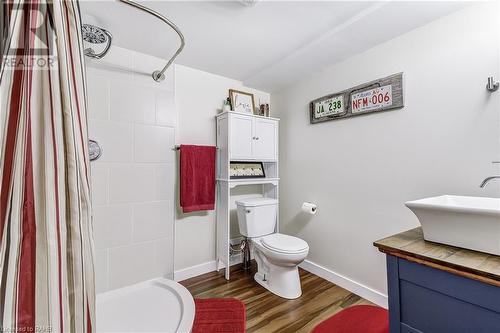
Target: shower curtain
(46,246)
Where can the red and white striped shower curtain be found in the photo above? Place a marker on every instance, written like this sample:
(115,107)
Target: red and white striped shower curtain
(46,246)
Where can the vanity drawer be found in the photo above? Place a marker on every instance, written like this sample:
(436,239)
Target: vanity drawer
(467,290)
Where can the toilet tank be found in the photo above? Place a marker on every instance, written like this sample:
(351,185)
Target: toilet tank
(257,216)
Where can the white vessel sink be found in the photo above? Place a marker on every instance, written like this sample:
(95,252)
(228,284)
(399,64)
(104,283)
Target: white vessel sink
(468,222)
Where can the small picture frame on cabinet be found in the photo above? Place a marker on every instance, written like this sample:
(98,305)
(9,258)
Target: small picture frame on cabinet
(243,170)
(241,101)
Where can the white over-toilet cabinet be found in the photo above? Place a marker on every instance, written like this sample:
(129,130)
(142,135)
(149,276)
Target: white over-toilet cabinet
(252,138)
(242,137)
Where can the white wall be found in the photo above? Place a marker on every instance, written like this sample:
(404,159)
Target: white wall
(199,96)
(361,170)
(137,121)
(133,118)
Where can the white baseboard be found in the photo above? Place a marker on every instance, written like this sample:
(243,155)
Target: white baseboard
(189,272)
(207,267)
(357,288)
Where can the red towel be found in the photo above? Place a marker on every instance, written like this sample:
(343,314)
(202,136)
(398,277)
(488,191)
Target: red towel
(197,183)
(219,315)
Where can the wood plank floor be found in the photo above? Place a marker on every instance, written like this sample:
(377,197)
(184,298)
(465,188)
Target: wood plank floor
(267,312)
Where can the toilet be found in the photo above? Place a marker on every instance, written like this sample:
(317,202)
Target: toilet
(277,255)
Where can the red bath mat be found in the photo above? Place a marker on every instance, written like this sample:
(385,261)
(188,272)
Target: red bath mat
(356,319)
(219,315)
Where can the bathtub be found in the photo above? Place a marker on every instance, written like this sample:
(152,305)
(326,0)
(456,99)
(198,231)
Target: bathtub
(158,305)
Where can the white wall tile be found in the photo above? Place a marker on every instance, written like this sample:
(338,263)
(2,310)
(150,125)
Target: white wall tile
(99,180)
(98,97)
(115,138)
(165,182)
(132,183)
(154,144)
(164,262)
(101,270)
(165,108)
(153,220)
(112,225)
(129,102)
(132,197)
(131,264)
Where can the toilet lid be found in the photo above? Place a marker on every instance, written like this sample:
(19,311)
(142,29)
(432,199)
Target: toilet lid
(255,202)
(284,243)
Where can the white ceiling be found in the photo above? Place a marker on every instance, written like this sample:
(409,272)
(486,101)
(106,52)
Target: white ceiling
(267,46)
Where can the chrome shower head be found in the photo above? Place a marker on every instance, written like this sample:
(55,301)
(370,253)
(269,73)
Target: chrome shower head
(96,35)
(93,34)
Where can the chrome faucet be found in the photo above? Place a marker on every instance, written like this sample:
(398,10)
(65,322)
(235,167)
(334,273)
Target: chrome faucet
(487,180)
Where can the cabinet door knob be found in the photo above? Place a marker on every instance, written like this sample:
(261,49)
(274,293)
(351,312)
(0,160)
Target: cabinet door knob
(257,138)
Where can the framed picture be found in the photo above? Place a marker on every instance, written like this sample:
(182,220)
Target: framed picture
(241,170)
(241,101)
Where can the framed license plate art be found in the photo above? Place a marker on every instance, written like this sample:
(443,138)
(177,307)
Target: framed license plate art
(241,170)
(379,95)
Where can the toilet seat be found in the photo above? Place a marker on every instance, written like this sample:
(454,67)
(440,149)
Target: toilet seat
(284,243)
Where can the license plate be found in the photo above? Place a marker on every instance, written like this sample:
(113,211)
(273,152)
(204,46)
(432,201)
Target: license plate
(372,99)
(329,107)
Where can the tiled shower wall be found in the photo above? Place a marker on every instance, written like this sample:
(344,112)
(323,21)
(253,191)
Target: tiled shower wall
(134,120)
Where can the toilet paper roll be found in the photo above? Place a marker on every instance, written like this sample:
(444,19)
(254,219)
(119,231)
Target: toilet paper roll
(309,208)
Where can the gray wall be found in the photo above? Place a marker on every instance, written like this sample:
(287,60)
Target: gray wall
(361,170)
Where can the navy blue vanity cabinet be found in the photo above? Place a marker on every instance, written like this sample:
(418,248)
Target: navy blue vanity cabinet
(425,299)
(457,293)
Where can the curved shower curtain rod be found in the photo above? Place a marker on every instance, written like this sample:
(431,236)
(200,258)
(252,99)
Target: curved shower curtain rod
(159,75)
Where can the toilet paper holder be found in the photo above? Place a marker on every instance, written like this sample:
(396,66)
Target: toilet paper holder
(309,208)
(492,84)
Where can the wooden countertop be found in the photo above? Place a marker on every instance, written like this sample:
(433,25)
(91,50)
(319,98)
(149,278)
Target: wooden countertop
(410,245)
